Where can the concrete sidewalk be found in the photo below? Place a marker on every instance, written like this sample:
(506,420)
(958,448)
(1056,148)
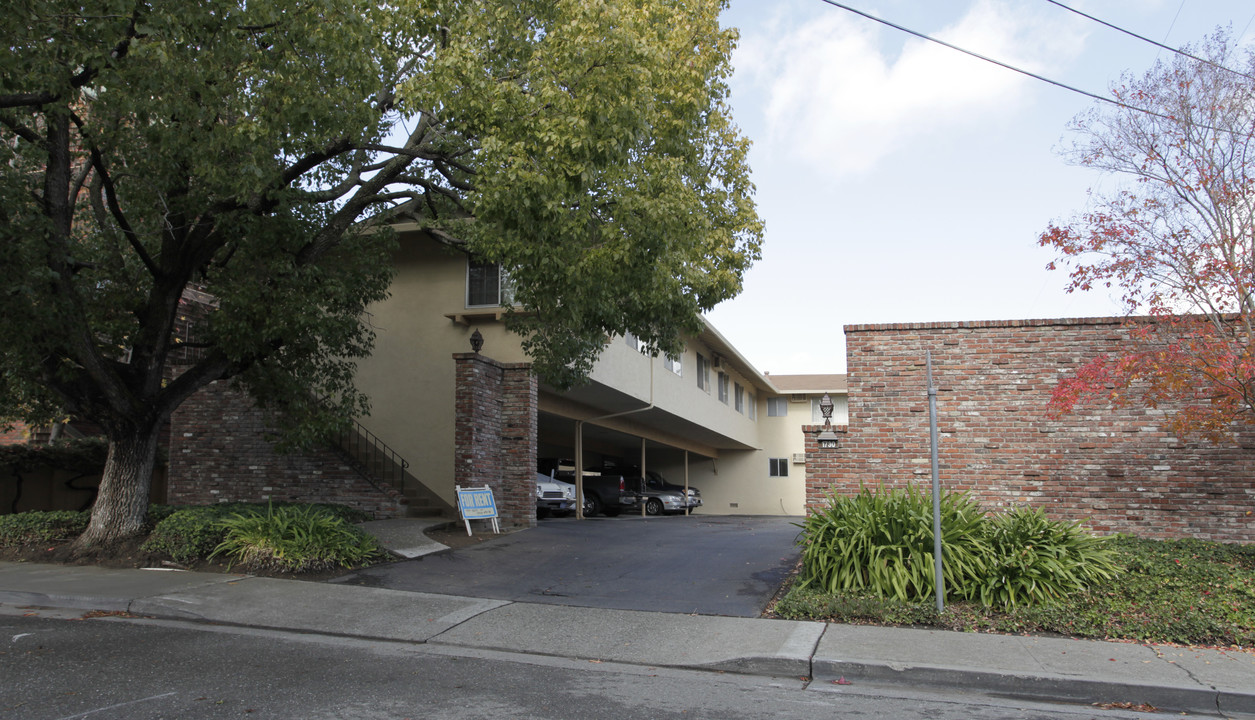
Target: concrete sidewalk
(1211,682)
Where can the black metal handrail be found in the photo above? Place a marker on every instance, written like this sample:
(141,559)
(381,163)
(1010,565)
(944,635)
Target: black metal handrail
(374,457)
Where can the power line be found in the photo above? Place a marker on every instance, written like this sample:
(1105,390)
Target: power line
(1152,42)
(1007,66)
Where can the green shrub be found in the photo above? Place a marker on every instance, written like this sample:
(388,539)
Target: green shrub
(350,515)
(191,533)
(295,538)
(80,455)
(30,528)
(859,608)
(882,542)
(1034,559)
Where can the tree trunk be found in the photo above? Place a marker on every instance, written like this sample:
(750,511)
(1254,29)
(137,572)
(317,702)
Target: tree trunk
(122,502)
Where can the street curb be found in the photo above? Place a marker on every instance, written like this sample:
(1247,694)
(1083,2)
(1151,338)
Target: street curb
(1039,687)
(69,602)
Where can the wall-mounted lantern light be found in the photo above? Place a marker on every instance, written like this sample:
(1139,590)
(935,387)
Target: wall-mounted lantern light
(827,438)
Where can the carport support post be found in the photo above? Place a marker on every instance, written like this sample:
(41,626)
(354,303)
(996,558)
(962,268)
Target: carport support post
(687,510)
(643,483)
(579,469)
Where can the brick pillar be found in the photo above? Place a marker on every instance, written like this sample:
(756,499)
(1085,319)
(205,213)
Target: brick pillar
(823,465)
(495,433)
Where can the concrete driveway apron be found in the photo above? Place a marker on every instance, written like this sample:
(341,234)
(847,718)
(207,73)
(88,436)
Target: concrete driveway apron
(709,565)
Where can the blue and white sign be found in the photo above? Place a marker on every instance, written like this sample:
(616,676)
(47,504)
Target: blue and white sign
(477,503)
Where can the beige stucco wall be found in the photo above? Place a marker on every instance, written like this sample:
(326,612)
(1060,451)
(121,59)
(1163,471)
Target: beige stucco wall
(410,376)
(738,482)
(628,370)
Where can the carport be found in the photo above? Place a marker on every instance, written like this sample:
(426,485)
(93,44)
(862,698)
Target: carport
(596,421)
(586,443)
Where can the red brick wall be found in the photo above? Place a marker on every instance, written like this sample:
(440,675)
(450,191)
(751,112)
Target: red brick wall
(1118,469)
(495,434)
(15,436)
(220,452)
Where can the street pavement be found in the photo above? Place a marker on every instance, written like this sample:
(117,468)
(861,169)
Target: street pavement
(1195,680)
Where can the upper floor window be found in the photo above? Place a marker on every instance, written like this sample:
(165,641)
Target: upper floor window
(703,373)
(487,284)
(751,407)
(740,398)
(636,343)
(675,365)
(723,388)
(777,407)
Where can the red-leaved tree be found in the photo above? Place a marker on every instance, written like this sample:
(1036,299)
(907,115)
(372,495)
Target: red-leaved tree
(1177,241)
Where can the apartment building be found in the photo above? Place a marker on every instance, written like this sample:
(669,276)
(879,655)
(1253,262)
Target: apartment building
(707,416)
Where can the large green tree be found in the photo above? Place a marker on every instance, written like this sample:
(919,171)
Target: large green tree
(248,155)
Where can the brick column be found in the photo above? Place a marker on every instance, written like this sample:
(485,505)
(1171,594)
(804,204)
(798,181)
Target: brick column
(495,433)
(823,466)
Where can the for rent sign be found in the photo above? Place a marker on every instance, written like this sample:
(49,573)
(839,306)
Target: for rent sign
(477,503)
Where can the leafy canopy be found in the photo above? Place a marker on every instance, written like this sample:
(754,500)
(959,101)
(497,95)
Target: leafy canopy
(250,154)
(1177,242)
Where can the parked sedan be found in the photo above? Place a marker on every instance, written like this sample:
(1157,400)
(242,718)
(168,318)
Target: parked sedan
(655,482)
(665,497)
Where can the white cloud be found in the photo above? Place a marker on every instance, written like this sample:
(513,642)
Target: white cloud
(833,94)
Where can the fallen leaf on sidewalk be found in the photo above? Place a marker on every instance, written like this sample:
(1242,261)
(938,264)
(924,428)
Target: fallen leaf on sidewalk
(841,681)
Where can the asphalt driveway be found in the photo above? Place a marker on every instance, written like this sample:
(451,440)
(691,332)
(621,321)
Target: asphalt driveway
(710,565)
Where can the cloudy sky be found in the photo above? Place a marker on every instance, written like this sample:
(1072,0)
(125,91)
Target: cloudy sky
(901,181)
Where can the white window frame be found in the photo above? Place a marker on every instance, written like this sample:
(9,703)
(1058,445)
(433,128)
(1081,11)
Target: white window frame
(777,467)
(505,287)
(739,397)
(777,407)
(817,415)
(724,381)
(675,365)
(703,373)
(751,407)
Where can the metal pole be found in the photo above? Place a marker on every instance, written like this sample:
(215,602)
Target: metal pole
(939,580)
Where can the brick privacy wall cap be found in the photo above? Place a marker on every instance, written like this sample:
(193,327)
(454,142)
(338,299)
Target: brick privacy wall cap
(958,325)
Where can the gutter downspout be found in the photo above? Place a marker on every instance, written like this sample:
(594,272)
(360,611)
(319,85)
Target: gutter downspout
(579,442)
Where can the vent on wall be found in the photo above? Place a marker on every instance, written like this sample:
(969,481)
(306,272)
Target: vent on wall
(799,398)
(799,458)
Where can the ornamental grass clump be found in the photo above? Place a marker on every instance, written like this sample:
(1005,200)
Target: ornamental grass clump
(1035,559)
(295,538)
(882,543)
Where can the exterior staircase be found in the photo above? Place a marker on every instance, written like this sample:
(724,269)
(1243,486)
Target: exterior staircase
(388,471)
